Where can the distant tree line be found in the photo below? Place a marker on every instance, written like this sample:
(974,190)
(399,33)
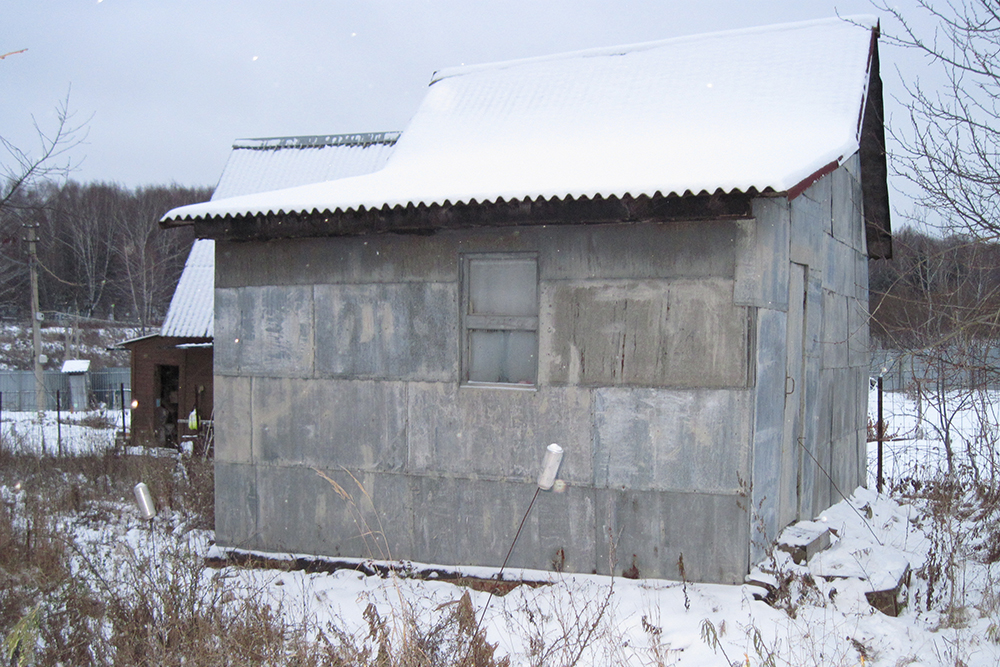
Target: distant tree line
(936,292)
(101,252)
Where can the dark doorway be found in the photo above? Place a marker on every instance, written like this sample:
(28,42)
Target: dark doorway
(167,390)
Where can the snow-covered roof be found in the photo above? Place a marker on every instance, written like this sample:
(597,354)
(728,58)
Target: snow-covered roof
(192,308)
(257,165)
(76,366)
(745,110)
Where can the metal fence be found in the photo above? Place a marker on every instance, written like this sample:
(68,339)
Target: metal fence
(956,368)
(18,390)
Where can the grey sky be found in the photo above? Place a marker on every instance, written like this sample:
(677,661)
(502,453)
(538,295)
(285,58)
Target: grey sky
(169,85)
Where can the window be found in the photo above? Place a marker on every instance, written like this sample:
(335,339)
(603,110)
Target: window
(500,319)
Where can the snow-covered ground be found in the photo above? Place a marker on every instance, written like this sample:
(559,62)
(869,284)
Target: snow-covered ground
(71,433)
(820,617)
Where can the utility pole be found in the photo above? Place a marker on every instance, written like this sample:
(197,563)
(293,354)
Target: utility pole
(36,318)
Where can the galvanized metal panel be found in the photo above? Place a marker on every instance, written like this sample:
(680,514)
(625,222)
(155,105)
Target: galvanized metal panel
(857,324)
(795,405)
(839,267)
(454,521)
(651,530)
(769,420)
(848,220)
(657,250)
(762,258)
(406,331)
(817,418)
(835,334)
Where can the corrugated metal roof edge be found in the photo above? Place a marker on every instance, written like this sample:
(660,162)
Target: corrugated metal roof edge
(499,201)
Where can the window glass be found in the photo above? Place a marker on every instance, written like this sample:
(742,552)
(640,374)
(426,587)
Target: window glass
(503,356)
(503,287)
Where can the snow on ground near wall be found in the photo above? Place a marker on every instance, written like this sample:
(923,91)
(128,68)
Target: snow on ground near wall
(649,621)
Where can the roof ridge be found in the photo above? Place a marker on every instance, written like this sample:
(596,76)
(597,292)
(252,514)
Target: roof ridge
(448,72)
(318,140)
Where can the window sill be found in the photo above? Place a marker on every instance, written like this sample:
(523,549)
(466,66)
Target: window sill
(500,385)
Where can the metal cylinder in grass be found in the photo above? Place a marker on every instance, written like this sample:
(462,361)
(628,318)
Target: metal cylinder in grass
(145,501)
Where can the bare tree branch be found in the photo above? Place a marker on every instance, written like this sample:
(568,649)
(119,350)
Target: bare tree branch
(950,149)
(52,158)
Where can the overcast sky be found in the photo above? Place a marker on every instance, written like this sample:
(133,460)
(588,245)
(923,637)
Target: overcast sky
(167,85)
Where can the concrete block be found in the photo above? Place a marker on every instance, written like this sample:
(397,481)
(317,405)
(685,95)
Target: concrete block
(697,440)
(804,540)
(405,331)
(678,333)
(237,506)
(330,423)
(264,331)
(891,599)
(701,249)
(233,419)
(497,433)
(650,530)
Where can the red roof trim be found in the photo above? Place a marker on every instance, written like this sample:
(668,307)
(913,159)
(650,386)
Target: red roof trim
(804,184)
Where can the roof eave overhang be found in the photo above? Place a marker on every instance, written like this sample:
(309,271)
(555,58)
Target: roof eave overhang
(430,219)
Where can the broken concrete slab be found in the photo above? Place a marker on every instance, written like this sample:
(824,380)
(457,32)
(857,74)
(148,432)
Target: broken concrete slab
(804,540)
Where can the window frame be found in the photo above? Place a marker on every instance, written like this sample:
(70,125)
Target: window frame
(470,322)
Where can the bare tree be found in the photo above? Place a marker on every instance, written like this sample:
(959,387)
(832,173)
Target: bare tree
(52,158)
(151,260)
(951,148)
